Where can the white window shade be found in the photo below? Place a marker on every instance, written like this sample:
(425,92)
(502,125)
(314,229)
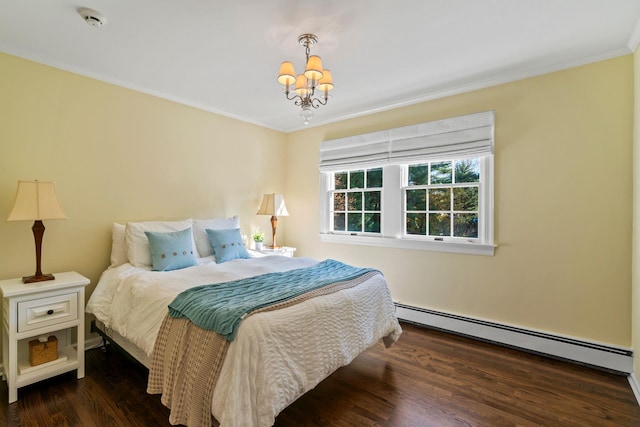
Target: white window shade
(458,137)
(370,149)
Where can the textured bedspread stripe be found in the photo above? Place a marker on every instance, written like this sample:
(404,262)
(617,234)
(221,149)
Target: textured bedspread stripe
(221,307)
(185,366)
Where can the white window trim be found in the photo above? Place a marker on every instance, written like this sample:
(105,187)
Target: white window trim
(392,227)
(390,242)
(357,152)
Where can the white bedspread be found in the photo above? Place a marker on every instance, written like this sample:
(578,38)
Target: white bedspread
(278,355)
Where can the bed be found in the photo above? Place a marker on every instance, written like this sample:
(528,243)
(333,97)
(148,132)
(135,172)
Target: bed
(276,355)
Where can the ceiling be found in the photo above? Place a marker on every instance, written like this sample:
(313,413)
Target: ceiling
(223,56)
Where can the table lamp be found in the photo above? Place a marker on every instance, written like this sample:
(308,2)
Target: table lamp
(36,201)
(273,204)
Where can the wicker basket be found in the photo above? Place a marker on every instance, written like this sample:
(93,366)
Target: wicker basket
(43,352)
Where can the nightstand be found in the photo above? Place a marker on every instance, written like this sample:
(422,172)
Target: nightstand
(54,307)
(282,251)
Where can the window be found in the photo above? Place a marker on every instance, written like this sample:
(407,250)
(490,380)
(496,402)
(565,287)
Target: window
(428,186)
(441,199)
(356,201)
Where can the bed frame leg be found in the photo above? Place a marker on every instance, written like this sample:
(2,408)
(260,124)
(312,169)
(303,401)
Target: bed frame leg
(95,329)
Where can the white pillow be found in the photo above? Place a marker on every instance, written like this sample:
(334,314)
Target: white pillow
(200,234)
(138,251)
(118,246)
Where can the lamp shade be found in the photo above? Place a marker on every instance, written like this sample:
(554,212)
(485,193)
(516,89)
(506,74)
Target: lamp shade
(326,82)
(273,204)
(301,85)
(36,200)
(313,70)
(287,75)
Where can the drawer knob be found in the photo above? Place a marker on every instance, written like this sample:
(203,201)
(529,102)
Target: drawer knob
(49,312)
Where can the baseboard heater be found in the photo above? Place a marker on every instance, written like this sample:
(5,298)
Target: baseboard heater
(614,359)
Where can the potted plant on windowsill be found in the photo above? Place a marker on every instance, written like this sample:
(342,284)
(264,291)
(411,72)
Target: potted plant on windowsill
(258,238)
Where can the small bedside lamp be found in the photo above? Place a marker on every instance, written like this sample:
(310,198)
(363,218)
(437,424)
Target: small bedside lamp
(35,201)
(273,204)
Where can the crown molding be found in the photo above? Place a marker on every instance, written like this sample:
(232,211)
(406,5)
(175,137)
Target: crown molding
(634,41)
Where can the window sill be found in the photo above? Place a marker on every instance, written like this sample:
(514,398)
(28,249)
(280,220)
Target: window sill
(389,242)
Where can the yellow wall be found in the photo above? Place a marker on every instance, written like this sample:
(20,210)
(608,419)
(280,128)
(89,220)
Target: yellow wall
(635,326)
(563,187)
(562,194)
(120,155)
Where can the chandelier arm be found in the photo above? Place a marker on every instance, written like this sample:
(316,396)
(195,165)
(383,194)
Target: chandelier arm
(319,102)
(291,98)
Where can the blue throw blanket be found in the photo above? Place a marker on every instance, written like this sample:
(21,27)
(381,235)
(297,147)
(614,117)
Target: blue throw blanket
(220,307)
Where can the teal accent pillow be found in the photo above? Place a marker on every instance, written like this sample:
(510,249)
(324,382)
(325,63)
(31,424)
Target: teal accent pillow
(227,244)
(171,251)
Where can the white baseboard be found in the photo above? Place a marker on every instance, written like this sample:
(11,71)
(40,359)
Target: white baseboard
(635,386)
(616,359)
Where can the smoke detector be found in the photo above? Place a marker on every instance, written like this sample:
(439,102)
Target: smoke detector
(92,17)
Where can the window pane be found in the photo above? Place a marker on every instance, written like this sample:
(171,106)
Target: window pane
(465,225)
(372,222)
(355,201)
(468,170)
(338,201)
(355,221)
(439,224)
(418,175)
(416,200)
(372,200)
(441,173)
(417,223)
(439,199)
(357,179)
(465,199)
(340,180)
(374,178)
(338,221)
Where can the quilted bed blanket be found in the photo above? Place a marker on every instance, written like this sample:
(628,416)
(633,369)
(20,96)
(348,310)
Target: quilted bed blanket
(188,354)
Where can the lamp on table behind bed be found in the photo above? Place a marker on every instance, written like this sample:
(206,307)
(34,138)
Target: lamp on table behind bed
(273,204)
(36,201)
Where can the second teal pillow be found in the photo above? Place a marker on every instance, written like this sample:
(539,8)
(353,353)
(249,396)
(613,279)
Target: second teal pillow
(227,244)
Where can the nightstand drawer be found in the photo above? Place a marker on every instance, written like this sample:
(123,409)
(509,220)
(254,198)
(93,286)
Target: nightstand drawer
(38,313)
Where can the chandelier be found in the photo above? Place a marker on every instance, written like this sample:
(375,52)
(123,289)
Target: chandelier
(314,78)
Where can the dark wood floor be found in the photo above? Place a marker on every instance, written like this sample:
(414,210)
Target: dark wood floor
(428,378)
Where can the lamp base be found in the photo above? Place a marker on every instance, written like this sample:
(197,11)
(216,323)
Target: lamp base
(37,278)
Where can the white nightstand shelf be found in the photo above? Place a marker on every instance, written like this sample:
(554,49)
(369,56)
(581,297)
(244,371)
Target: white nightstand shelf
(54,307)
(68,355)
(282,251)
